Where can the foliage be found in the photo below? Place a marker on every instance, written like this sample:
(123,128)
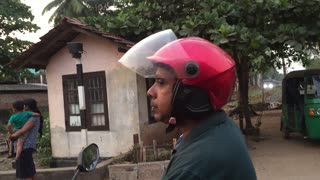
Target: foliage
(100,7)
(255,94)
(256,33)
(272,73)
(131,155)
(71,8)
(77,8)
(314,64)
(44,143)
(164,154)
(259,31)
(3,128)
(14,17)
(128,157)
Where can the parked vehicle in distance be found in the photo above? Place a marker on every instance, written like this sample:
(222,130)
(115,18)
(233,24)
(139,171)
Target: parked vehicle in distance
(301,103)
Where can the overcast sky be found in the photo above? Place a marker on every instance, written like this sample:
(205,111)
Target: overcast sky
(41,20)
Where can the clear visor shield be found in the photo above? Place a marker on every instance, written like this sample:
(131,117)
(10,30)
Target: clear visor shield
(136,57)
(188,57)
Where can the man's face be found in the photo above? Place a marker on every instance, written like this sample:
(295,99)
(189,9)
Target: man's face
(26,108)
(160,95)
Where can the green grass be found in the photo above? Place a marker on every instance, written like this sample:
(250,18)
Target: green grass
(44,143)
(255,94)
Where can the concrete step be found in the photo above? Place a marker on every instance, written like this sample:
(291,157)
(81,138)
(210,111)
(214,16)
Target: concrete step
(3,147)
(64,173)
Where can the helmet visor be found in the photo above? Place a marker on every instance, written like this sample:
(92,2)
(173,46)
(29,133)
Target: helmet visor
(136,57)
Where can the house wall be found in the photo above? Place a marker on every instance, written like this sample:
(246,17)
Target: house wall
(8,98)
(99,55)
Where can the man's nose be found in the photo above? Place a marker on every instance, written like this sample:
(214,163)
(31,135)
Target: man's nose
(151,93)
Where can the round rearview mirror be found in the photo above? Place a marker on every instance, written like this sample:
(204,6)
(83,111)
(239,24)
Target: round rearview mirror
(88,158)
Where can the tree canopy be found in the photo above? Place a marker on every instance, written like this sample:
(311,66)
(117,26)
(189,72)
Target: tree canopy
(14,17)
(256,33)
(77,8)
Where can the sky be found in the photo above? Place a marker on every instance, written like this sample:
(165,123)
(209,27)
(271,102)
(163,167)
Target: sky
(42,21)
(295,66)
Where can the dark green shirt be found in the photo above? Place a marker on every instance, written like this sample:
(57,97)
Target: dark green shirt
(19,119)
(214,150)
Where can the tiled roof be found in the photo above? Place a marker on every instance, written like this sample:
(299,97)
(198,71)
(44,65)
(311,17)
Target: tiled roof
(22,87)
(38,54)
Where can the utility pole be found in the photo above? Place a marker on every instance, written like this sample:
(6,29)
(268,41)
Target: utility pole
(76,50)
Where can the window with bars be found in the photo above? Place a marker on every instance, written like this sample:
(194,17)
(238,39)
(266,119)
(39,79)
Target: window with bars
(96,101)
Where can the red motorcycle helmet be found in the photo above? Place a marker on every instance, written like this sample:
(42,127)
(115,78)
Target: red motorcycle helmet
(201,64)
(196,62)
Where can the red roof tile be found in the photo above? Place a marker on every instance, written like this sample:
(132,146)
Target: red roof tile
(57,38)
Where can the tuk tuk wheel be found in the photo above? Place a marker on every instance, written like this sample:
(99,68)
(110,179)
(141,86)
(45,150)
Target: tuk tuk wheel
(286,133)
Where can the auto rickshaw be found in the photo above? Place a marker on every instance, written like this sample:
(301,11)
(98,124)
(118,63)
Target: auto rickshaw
(301,103)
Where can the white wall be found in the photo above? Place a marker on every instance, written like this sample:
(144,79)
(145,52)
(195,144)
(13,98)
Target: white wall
(99,55)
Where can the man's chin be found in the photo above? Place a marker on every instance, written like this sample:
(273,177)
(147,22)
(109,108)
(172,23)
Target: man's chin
(161,119)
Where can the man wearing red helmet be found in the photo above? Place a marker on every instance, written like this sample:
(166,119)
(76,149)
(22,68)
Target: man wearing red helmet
(193,80)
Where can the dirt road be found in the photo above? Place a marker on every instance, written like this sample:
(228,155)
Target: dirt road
(278,159)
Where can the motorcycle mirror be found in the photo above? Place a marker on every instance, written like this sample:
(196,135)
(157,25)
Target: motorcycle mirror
(88,158)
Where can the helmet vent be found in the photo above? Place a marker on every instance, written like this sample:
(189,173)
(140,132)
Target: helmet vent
(192,69)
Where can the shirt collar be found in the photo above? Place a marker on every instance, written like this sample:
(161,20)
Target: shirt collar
(214,119)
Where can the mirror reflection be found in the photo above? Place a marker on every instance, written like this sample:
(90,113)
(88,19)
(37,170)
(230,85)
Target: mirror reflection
(90,157)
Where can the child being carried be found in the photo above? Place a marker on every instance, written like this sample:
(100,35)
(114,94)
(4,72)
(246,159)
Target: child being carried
(17,120)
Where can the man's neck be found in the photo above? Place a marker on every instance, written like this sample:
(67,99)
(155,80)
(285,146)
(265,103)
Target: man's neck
(187,128)
(16,112)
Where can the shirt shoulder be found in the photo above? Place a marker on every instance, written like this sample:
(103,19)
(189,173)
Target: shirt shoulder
(34,118)
(12,118)
(27,113)
(222,148)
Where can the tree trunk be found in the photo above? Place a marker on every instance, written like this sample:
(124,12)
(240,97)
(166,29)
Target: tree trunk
(262,88)
(284,67)
(243,75)
(240,114)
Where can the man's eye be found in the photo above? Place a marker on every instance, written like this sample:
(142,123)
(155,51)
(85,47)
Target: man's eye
(159,81)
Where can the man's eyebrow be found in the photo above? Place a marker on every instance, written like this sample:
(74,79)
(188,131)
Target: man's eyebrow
(158,77)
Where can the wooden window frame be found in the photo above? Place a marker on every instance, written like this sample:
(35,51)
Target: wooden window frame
(86,76)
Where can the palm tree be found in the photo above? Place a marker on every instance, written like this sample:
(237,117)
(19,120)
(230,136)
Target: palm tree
(70,8)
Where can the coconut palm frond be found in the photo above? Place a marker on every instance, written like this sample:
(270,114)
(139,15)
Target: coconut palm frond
(51,5)
(77,6)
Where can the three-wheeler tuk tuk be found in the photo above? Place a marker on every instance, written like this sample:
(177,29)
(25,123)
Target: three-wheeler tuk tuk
(301,103)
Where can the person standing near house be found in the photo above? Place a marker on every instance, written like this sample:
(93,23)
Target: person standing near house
(15,122)
(25,167)
(193,80)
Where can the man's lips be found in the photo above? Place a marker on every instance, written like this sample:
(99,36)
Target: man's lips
(153,107)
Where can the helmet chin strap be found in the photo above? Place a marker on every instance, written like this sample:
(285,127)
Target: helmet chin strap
(175,90)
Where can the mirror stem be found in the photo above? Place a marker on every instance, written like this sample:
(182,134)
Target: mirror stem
(76,174)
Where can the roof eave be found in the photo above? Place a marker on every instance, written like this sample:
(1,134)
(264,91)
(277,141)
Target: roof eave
(38,55)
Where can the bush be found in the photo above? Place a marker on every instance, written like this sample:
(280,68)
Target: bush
(44,143)
(3,128)
(133,154)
